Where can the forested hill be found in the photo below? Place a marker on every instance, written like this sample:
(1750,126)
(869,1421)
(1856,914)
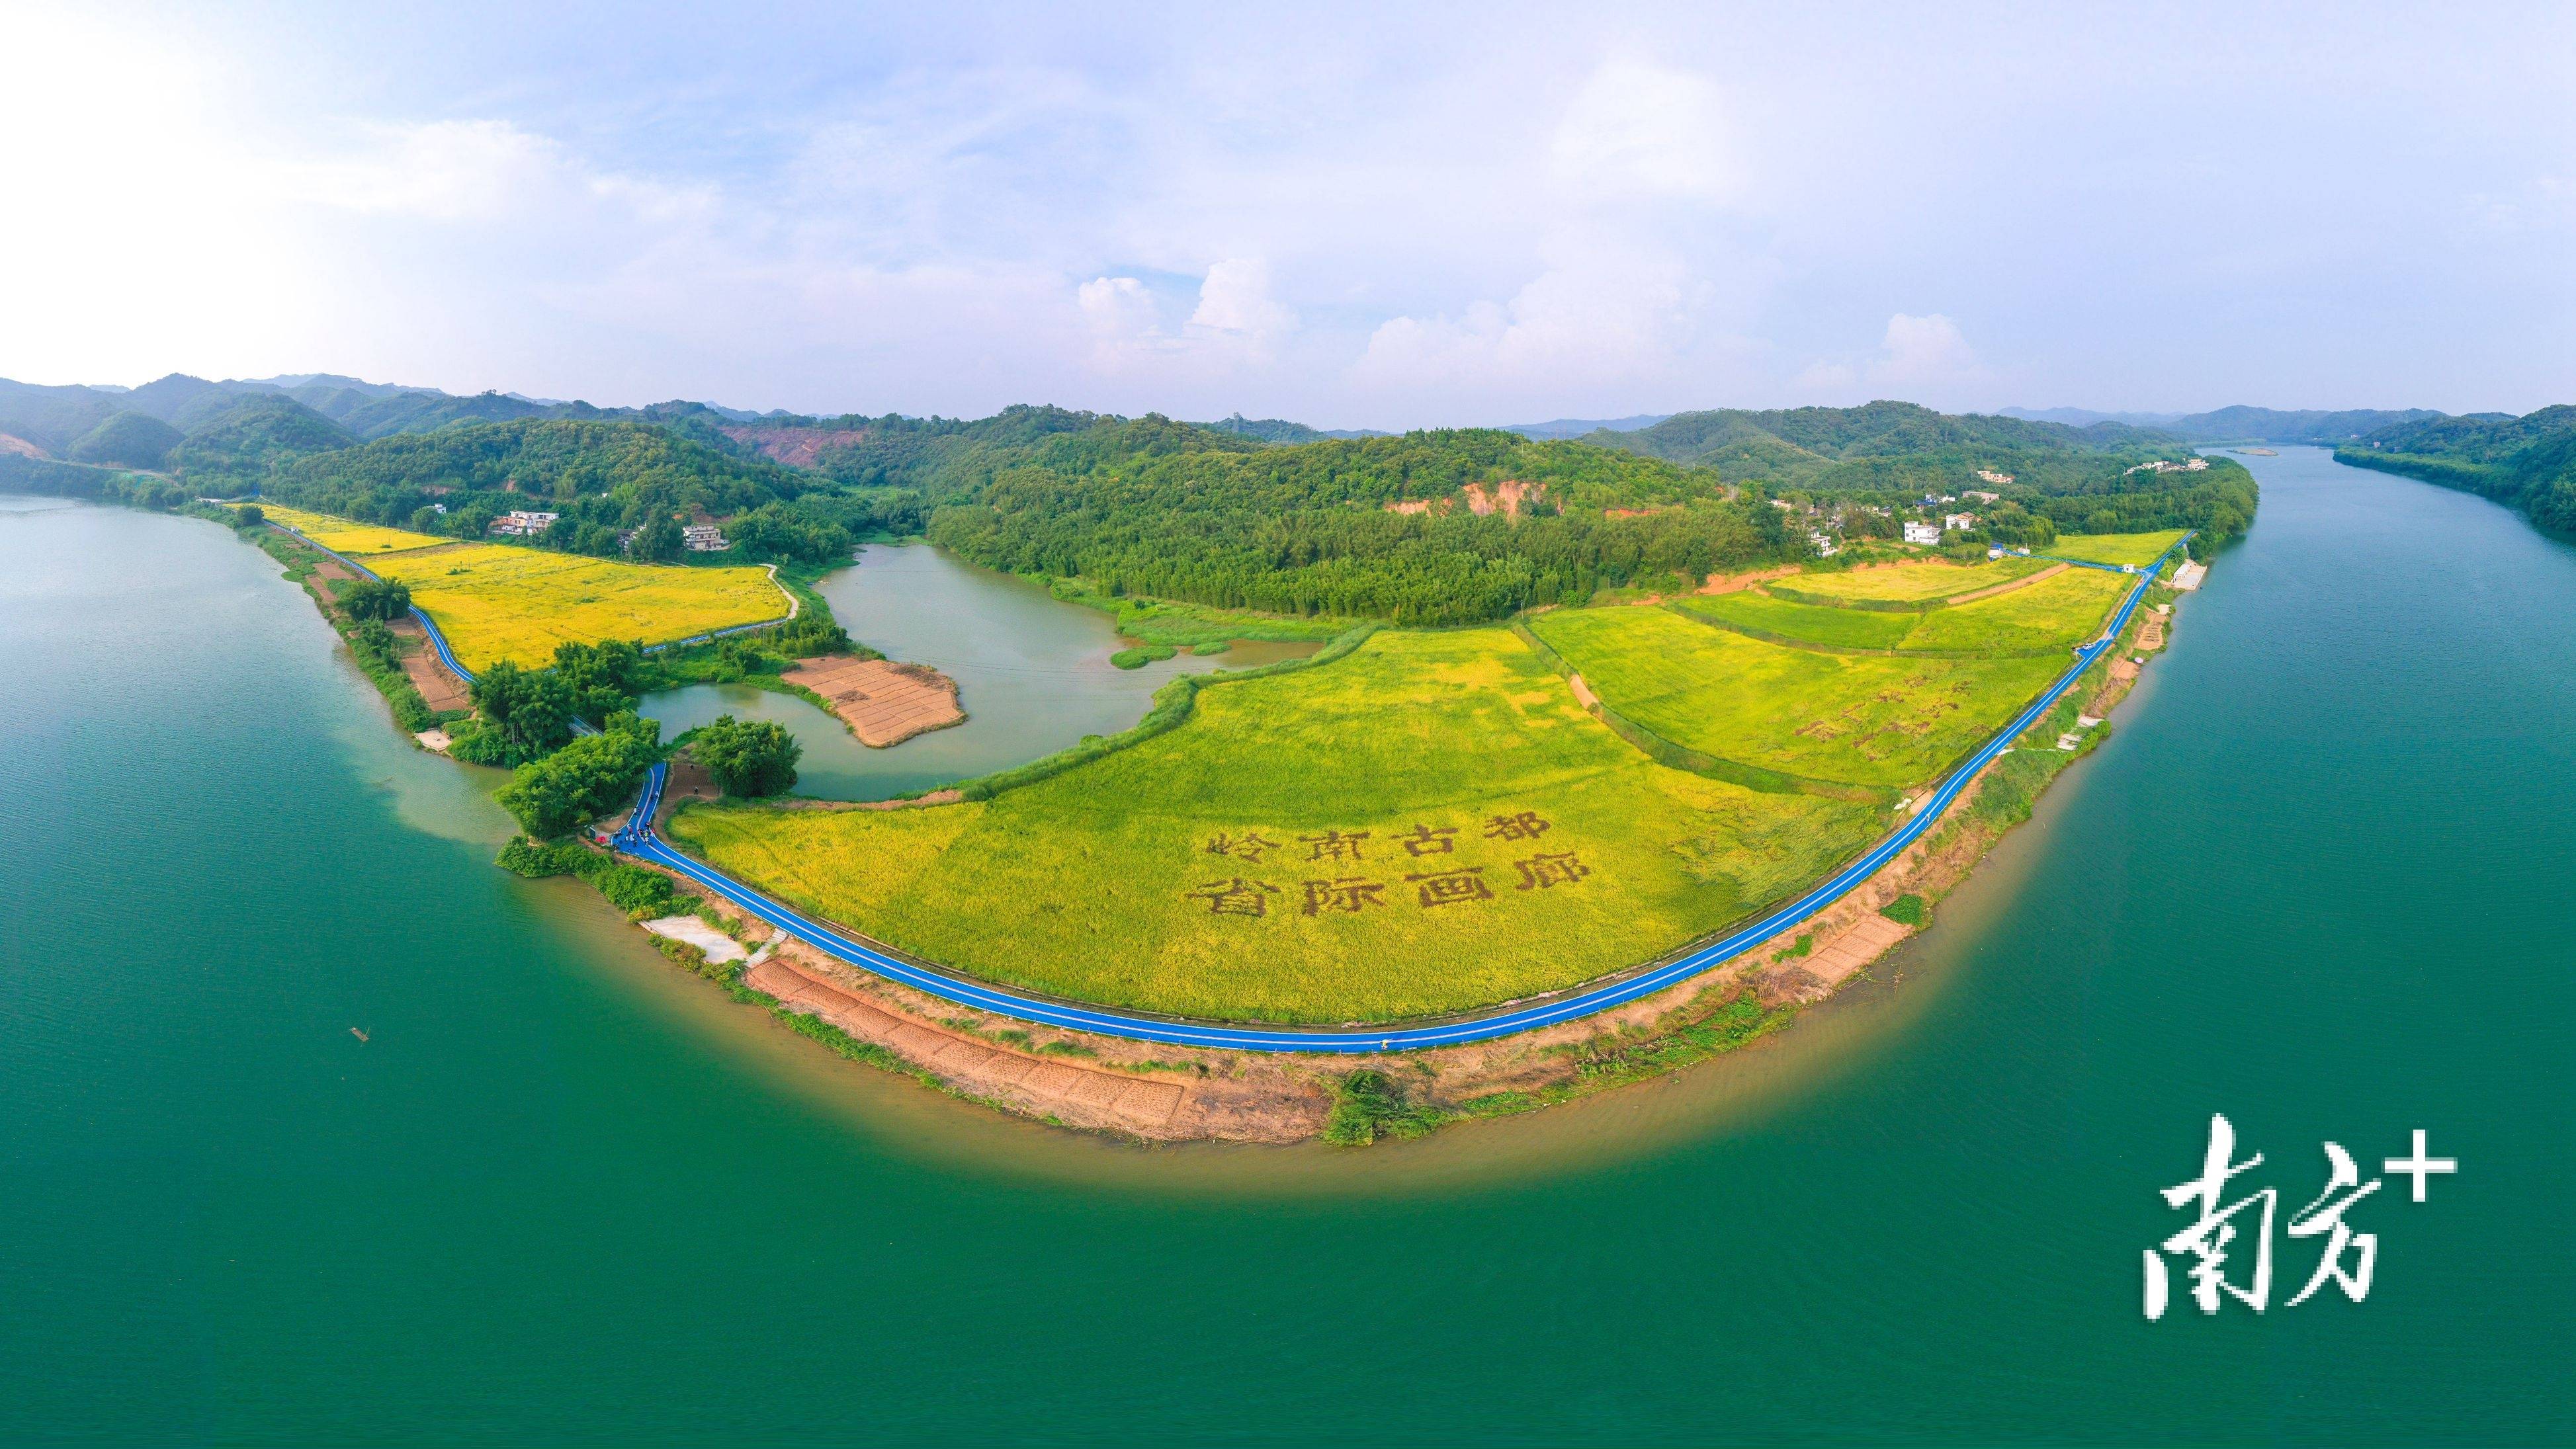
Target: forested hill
(1888,445)
(1427,528)
(2527,462)
(2272,425)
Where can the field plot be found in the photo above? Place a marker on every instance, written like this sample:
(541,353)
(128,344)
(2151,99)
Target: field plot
(2113,548)
(1807,623)
(2057,612)
(1914,582)
(1847,718)
(357,540)
(1426,826)
(495,602)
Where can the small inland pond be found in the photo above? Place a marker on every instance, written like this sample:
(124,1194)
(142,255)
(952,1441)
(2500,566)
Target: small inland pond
(1032,672)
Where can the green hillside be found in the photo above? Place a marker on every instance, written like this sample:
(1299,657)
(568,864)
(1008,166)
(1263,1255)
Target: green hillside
(131,439)
(2527,462)
(235,448)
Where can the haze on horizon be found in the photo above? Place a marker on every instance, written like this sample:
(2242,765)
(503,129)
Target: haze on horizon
(1444,216)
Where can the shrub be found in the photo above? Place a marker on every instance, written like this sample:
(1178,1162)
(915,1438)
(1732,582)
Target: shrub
(1907,910)
(378,599)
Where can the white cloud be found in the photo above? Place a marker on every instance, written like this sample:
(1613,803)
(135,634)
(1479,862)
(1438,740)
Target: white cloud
(1920,359)
(1637,129)
(1236,297)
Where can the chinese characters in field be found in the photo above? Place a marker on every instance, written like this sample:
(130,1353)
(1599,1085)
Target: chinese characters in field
(2227,1246)
(1433,885)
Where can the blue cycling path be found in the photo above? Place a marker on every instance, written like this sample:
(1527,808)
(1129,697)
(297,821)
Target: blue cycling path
(639,839)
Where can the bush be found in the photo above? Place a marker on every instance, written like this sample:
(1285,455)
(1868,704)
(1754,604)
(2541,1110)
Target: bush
(747,758)
(379,599)
(1907,910)
(524,715)
(249,516)
(631,888)
(1367,1105)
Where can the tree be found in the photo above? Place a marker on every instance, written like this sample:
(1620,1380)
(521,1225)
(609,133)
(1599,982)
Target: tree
(379,599)
(424,519)
(601,678)
(523,715)
(658,541)
(584,780)
(249,516)
(747,758)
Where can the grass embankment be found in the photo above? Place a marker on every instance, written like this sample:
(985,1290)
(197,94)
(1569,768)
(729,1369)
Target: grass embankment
(2113,548)
(1862,720)
(1194,626)
(1429,824)
(495,602)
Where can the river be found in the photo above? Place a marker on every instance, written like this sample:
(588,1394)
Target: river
(2317,880)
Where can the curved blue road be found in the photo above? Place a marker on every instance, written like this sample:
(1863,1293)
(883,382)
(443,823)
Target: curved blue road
(639,839)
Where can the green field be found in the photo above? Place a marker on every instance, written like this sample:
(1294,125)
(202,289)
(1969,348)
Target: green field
(2054,613)
(1255,863)
(1850,719)
(2113,548)
(1811,623)
(1914,582)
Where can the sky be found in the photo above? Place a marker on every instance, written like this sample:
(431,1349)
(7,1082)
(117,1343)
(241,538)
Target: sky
(1353,217)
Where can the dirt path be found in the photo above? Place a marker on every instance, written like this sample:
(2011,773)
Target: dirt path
(2007,586)
(882,702)
(439,689)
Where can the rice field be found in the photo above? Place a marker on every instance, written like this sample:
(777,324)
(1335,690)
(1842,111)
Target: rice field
(496,602)
(1853,719)
(340,535)
(1429,825)
(2113,548)
(2051,614)
(1913,582)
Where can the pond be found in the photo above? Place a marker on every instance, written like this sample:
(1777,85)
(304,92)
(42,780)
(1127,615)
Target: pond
(1032,671)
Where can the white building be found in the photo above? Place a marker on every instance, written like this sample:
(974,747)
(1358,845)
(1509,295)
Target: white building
(1960,521)
(522,523)
(703,538)
(1991,476)
(1981,495)
(1917,531)
(1824,542)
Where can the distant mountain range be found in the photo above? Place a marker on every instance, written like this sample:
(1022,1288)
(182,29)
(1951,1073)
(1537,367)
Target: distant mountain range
(2242,424)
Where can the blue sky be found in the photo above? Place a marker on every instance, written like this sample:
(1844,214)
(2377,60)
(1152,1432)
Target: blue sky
(1354,217)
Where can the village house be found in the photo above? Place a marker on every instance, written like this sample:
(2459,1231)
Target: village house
(1991,476)
(1960,521)
(1824,542)
(1918,531)
(522,523)
(703,538)
(1981,495)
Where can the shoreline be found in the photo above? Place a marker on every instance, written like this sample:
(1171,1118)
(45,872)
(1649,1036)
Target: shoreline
(1149,1091)
(1285,1094)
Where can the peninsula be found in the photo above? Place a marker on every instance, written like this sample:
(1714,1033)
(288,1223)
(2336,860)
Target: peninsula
(1615,753)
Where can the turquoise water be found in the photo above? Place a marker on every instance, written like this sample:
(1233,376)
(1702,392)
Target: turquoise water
(1032,672)
(2316,880)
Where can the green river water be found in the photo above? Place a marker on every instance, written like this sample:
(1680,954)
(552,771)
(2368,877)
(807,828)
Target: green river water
(2318,881)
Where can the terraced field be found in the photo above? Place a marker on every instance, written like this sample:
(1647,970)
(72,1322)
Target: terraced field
(1428,825)
(495,602)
